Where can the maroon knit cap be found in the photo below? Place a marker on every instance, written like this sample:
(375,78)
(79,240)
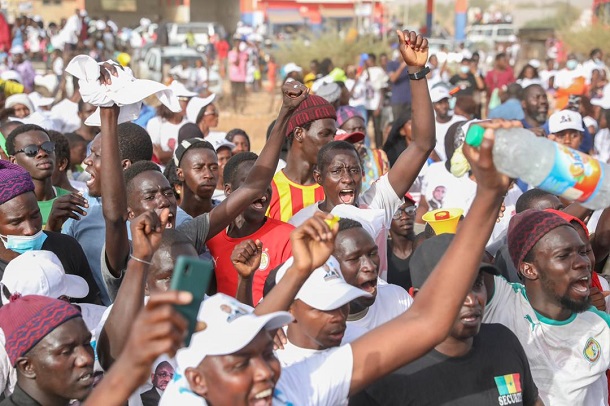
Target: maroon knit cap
(14,181)
(26,320)
(311,109)
(527,228)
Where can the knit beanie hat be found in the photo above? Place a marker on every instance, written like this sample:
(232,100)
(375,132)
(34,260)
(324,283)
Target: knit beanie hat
(527,228)
(311,109)
(344,113)
(14,181)
(26,320)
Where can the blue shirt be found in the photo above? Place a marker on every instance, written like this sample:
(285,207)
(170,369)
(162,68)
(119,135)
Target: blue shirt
(509,110)
(146,114)
(401,89)
(90,232)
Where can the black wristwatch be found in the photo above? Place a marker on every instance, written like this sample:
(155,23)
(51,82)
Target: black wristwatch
(420,74)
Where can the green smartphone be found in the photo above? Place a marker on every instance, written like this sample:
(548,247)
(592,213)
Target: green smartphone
(191,274)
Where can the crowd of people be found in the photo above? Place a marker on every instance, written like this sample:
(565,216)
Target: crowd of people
(320,245)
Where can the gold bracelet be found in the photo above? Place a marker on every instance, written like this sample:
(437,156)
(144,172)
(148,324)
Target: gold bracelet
(139,260)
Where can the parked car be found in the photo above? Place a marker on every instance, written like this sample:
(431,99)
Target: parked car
(155,57)
(492,34)
(202,32)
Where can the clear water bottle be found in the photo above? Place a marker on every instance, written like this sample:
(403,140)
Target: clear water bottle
(548,165)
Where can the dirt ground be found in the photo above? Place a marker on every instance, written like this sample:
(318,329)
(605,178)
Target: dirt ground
(255,120)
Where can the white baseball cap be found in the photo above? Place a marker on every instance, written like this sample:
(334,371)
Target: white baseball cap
(41,273)
(218,140)
(325,289)
(292,67)
(180,90)
(565,120)
(195,105)
(230,326)
(11,75)
(439,93)
(17,49)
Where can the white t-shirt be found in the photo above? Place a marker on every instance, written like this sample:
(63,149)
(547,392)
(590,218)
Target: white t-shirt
(589,66)
(565,77)
(391,302)
(376,208)
(291,354)
(373,82)
(321,380)
(441,131)
(358,94)
(443,190)
(602,145)
(568,359)
(164,133)
(545,76)
(58,66)
(72,29)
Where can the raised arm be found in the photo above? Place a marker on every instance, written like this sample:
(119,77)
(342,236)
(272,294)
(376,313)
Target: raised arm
(146,343)
(114,193)
(312,244)
(414,50)
(263,170)
(429,320)
(146,231)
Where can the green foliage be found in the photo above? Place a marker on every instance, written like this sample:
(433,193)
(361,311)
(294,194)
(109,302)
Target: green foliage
(331,45)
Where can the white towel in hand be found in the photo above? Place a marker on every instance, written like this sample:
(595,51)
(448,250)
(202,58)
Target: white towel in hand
(125,91)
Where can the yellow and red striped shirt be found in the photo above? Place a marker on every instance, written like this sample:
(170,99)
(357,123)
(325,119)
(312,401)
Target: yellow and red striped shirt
(288,197)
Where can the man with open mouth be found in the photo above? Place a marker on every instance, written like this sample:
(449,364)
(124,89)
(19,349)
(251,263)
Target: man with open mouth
(339,169)
(145,188)
(480,358)
(359,259)
(566,340)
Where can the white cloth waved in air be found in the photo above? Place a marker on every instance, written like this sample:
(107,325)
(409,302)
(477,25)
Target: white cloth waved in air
(125,91)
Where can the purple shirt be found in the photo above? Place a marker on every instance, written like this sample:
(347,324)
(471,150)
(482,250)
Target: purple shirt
(26,70)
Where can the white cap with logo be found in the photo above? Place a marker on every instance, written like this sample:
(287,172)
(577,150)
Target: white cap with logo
(325,289)
(230,326)
(41,273)
(439,93)
(565,120)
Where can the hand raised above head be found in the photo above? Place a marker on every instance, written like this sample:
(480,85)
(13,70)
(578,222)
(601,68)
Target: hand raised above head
(313,242)
(293,93)
(413,48)
(481,158)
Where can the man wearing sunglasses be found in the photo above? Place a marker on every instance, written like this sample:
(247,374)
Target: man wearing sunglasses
(401,243)
(30,147)
(21,229)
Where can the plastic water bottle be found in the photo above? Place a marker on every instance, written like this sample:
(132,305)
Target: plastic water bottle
(548,165)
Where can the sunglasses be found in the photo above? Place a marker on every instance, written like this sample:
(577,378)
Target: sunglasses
(32,150)
(409,211)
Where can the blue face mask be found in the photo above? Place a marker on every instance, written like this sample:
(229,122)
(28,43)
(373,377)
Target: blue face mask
(571,64)
(464,69)
(24,243)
